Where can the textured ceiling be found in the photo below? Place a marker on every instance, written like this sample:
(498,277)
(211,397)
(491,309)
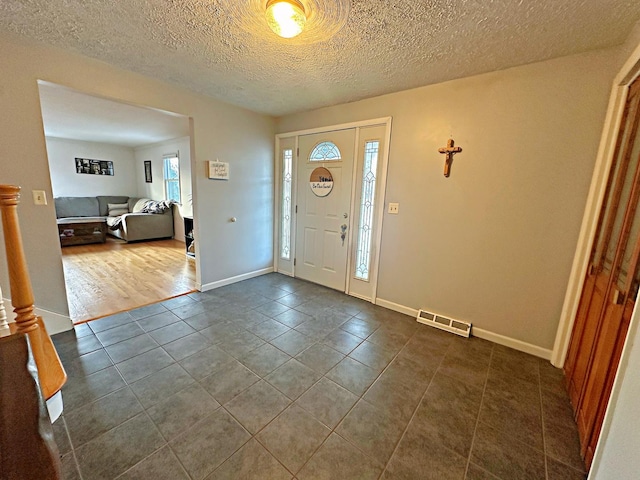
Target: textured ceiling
(352,49)
(70,114)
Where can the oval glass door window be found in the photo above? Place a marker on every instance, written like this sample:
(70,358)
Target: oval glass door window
(321,182)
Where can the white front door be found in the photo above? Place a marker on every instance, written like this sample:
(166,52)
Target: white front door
(322,222)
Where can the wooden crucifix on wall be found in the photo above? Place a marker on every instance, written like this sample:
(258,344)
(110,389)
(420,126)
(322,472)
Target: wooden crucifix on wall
(449,151)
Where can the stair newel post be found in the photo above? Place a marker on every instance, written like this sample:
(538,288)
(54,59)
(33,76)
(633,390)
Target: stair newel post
(21,291)
(50,369)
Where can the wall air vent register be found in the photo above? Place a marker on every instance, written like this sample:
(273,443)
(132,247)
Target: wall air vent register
(443,323)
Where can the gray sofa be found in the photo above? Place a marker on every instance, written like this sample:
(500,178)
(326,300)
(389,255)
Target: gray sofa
(133,224)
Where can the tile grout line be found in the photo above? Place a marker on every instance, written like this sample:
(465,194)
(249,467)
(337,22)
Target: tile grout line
(143,412)
(195,382)
(547,456)
(144,409)
(251,436)
(383,324)
(361,397)
(544,435)
(73,450)
(221,407)
(128,385)
(255,436)
(404,432)
(475,430)
(167,444)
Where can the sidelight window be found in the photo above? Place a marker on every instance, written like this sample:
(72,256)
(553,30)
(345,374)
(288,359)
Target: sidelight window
(365,228)
(285,240)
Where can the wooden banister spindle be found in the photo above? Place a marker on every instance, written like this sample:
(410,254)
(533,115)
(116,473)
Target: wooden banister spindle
(21,292)
(3,315)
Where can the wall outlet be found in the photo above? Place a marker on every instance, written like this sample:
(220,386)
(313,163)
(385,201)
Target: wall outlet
(39,197)
(394,208)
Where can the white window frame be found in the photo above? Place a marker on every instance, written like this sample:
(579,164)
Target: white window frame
(324,159)
(360,235)
(167,157)
(287,210)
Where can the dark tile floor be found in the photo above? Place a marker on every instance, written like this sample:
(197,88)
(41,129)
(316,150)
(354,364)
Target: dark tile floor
(276,378)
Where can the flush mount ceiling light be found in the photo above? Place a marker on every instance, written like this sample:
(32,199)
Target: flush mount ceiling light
(286,18)
(324,19)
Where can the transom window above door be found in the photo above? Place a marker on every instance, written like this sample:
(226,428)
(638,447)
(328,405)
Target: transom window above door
(325,152)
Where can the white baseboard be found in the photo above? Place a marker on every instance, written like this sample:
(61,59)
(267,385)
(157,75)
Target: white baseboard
(512,343)
(230,280)
(361,297)
(54,322)
(478,332)
(396,307)
(284,272)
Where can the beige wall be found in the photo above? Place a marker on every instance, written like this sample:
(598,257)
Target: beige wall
(66,182)
(243,138)
(492,244)
(155,190)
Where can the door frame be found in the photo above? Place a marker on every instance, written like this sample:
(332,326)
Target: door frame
(629,72)
(617,100)
(379,209)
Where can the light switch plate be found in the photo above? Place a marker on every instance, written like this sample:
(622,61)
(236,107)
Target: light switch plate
(394,208)
(39,197)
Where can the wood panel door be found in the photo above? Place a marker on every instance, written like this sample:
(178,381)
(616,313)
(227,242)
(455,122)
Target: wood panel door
(601,263)
(610,288)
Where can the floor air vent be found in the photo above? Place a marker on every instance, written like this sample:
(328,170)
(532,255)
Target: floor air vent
(443,323)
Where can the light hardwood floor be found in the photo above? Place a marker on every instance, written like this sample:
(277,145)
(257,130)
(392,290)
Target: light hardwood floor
(106,278)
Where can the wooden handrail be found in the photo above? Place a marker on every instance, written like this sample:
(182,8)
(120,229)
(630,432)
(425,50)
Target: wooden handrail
(50,369)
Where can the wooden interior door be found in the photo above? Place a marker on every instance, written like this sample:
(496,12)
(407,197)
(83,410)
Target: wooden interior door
(599,273)
(610,288)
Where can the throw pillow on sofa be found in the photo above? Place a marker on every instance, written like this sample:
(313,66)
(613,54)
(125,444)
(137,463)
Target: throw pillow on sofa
(117,209)
(137,208)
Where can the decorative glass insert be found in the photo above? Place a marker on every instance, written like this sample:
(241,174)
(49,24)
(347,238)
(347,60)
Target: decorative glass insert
(325,152)
(285,240)
(363,252)
(171,173)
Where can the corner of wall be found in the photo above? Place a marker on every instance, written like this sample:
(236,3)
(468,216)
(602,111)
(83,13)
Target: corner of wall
(230,280)
(54,322)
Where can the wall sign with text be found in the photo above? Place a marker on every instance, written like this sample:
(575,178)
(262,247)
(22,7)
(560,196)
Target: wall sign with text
(219,170)
(321,182)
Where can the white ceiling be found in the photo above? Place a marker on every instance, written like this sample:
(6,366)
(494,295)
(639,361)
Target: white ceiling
(70,114)
(351,50)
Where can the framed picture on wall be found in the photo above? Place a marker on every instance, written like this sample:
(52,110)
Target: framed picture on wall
(94,167)
(147,171)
